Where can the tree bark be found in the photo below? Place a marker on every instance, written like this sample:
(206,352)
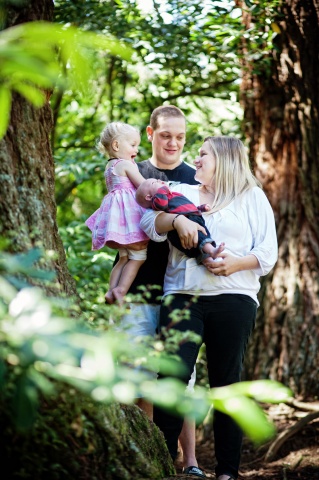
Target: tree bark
(281,120)
(74,438)
(27,199)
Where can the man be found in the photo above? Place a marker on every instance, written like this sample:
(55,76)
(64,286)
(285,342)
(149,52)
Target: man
(167,132)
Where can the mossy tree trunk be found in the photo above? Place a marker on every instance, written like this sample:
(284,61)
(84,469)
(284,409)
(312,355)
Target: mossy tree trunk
(27,199)
(281,108)
(77,439)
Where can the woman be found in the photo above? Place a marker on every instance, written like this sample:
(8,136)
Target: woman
(225,310)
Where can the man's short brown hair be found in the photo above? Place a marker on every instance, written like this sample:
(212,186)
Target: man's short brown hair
(165,111)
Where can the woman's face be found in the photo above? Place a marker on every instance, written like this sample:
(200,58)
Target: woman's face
(205,165)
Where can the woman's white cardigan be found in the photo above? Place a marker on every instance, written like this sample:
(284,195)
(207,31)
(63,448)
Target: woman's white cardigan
(246,226)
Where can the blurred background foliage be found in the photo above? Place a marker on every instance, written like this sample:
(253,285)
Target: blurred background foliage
(42,349)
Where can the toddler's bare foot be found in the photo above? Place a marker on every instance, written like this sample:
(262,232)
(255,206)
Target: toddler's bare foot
(109,298)
(118,294)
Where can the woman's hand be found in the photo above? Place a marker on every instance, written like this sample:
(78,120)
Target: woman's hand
(226,264)
(187,231)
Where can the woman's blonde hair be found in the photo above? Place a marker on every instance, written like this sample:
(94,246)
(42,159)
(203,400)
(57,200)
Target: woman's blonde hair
(112,132)
(233,175)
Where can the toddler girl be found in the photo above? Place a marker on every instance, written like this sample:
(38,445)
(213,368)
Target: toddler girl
(116,223)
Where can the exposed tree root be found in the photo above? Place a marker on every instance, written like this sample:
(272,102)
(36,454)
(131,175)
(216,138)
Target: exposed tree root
(286,434)
(308,407)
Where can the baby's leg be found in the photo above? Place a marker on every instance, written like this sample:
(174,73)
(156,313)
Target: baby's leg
(129,272)
(116,275)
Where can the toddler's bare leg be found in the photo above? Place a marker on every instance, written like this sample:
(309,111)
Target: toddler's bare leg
(115,278)
(128,274)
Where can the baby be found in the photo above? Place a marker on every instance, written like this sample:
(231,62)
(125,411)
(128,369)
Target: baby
(150,195)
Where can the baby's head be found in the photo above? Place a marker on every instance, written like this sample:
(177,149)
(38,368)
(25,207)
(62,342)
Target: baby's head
(147,190)
(119,140)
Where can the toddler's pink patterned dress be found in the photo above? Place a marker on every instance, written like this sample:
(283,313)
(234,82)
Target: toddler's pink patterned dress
(118,218)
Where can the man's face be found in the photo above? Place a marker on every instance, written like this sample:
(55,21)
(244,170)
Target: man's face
(168,141)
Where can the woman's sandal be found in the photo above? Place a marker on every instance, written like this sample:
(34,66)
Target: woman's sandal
(195,471)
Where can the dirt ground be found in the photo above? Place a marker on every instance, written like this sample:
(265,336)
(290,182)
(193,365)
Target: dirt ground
(296,458)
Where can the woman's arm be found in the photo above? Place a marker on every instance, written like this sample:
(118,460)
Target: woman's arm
(186,229)
(261,218)
(157,224)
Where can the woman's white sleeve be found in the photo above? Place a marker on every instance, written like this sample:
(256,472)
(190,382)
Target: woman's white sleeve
(147,224)
(265,247)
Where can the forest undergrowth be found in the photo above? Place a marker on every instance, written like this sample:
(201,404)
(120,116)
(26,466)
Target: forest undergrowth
(293,454)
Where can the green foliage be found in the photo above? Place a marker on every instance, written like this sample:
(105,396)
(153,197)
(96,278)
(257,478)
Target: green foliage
(39,348)
(182,43)
(233,400)
(36,57)
(91,271)
(19,268)
(260,37)
(184,53)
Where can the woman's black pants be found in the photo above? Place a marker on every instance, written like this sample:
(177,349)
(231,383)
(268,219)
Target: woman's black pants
(225,323)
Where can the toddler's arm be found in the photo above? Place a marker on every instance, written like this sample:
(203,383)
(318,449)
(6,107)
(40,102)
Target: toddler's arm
(128,169)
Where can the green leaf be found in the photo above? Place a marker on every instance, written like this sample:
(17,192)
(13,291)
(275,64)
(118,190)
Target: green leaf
(32,94)
(33,52)
(29,69)
(267,391)
(5,107)
(233,400)
(275,27)
(248,415)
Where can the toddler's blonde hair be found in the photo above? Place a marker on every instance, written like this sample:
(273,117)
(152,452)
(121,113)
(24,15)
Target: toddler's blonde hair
(111,132)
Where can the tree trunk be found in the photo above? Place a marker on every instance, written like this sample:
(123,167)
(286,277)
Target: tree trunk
(27,199)
(281,108)
(77,439)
